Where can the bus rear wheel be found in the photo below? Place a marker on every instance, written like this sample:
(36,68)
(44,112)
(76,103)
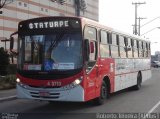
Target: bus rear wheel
(103,94)
(139,82)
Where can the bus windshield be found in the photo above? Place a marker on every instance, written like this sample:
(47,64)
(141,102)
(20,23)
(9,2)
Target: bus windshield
(62,51)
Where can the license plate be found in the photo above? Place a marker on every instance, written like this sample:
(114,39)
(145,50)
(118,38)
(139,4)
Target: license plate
(44,94)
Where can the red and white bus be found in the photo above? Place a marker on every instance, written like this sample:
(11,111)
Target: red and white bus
(77,59)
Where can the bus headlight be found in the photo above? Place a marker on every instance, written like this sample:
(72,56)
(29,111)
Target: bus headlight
(77,81)
(18,80)
(73,84)
(20,83)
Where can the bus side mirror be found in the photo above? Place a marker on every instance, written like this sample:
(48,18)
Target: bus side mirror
(12,40)
(86,49)
(11,43)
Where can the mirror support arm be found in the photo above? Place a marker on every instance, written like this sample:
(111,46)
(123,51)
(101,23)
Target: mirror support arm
(14,34)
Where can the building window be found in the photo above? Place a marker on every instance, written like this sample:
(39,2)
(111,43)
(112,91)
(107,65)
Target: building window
(25,4)
(41,9)
(19,3)
(46,10)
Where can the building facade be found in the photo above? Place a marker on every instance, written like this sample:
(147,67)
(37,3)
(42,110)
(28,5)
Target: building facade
(26,9)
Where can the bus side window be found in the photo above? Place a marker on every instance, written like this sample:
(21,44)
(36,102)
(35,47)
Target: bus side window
(104,37)
(149,51)
(104,46)
(114,46)
(126,45)
(117,39)
(146,53)
(140,48)
(132,45)
(125,41)
(135,49)
(122,47)
(109,38)
(144,49)
(129,48)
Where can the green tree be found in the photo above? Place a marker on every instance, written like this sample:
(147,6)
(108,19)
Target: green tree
(4,61)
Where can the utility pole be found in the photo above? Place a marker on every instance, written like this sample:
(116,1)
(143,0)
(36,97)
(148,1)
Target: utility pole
(139,26)
(136,6)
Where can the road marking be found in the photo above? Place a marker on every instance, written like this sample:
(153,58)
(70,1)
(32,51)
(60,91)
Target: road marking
(8,98)
(152,110)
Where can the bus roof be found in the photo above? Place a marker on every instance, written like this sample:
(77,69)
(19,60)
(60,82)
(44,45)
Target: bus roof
(97,24)
(92,23)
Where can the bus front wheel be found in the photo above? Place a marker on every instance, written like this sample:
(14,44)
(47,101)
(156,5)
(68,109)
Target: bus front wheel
(103,94)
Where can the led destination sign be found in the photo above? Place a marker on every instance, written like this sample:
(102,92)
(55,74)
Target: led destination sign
(50,24)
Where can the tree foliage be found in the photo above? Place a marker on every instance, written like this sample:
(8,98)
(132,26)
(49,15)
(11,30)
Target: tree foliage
(4,61)
(4,3)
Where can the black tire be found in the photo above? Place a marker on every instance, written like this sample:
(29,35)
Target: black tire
(139,82)
(103,94)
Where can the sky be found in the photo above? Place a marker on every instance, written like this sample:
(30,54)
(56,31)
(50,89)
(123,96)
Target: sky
(120,14)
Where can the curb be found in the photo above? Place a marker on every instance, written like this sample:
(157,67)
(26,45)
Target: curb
(8,98)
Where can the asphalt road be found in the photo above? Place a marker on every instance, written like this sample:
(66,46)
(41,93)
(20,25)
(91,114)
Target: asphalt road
(146,100)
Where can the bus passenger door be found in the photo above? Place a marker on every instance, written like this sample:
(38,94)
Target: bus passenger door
(91,70)
(91,53)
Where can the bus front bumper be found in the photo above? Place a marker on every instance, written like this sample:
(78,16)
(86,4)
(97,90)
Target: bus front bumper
(75,94)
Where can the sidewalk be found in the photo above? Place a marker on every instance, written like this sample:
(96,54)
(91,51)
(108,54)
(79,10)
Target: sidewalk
(7,94)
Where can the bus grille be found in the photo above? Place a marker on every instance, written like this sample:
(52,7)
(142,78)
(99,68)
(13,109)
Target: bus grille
(45,87)
(45,95)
